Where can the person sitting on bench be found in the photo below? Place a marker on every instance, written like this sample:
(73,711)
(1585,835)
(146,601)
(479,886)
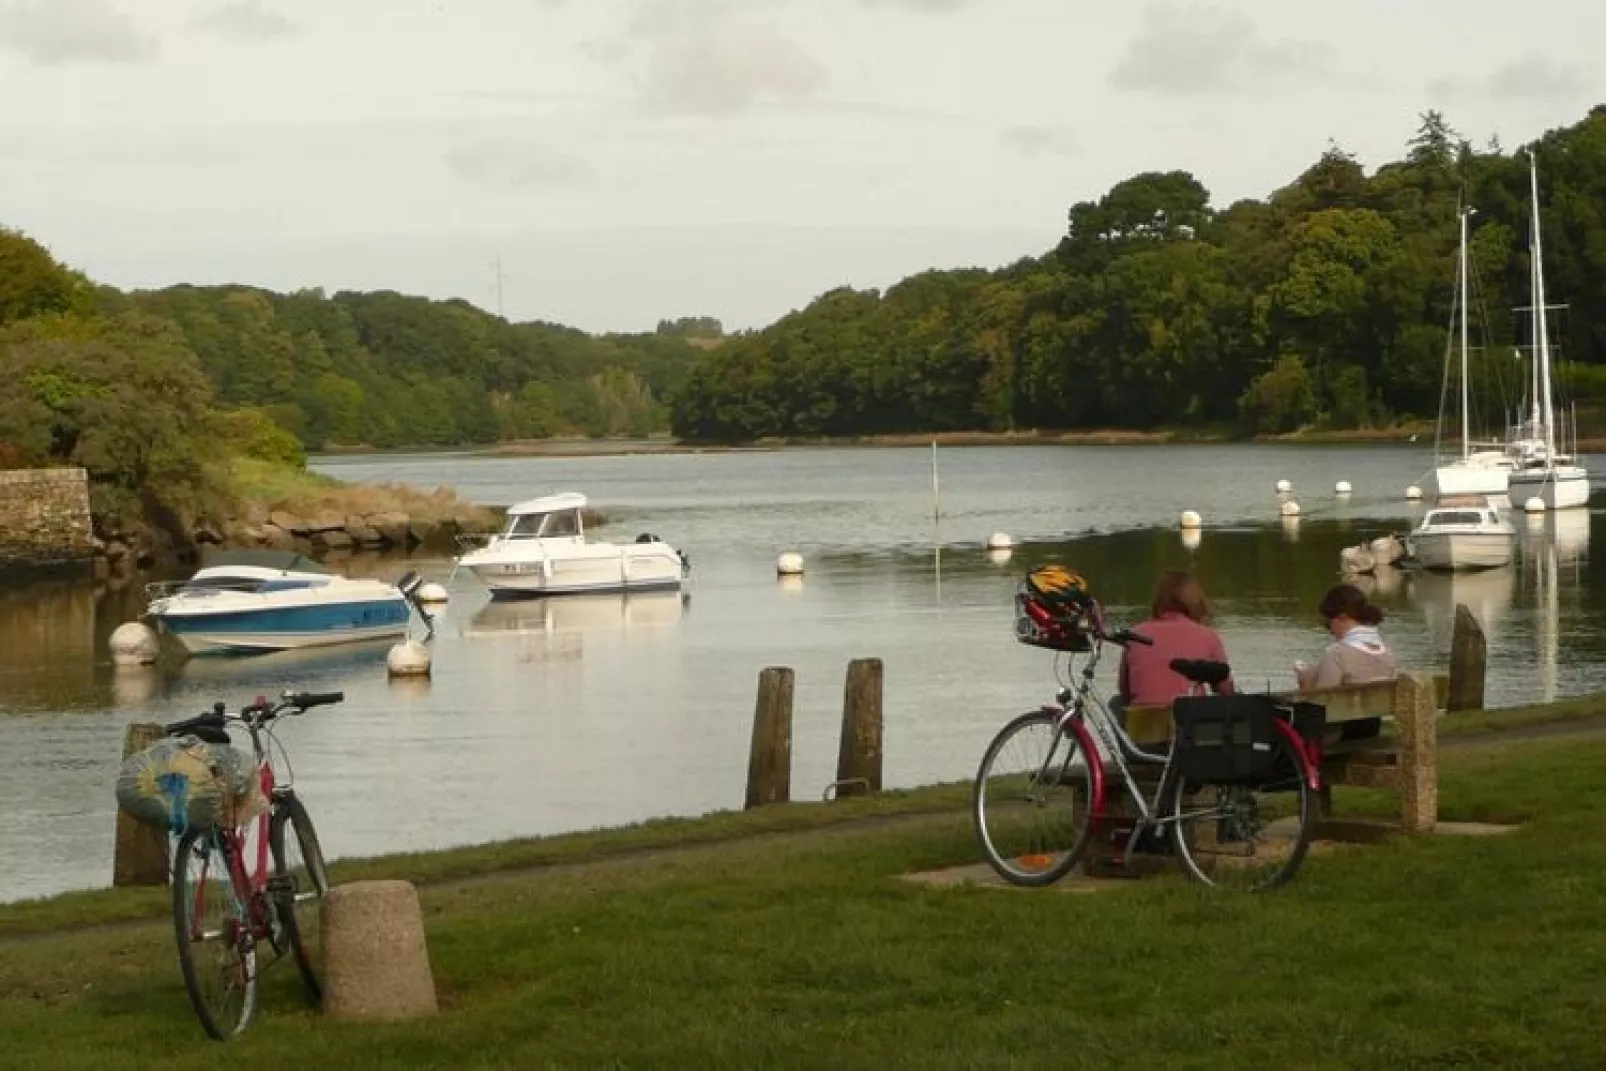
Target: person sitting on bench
(1179,626)
(1357,654)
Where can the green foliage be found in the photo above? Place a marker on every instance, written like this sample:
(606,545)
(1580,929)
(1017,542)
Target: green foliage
(254,433)
(1327,303)
(33,284)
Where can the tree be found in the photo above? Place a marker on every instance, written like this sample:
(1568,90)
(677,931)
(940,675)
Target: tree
(32,283)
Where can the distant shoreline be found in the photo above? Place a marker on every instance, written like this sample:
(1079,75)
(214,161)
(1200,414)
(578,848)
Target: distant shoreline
(1097,437)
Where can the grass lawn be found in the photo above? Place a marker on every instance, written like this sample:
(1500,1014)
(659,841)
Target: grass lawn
(803,949)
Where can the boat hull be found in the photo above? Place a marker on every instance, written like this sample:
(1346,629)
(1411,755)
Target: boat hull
(578,569)
(1564,487)
(1470,479)
(209,630)
(1446,551)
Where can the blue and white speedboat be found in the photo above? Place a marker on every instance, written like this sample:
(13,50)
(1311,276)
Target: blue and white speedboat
(266,600)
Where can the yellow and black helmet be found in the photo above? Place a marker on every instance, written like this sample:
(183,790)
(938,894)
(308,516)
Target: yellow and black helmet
(1054,608)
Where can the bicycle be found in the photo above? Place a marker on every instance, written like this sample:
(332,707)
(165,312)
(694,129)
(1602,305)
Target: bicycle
(229,860)
(1228,801)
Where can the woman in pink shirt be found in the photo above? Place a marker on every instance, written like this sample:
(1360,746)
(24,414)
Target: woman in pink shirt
(1179,627)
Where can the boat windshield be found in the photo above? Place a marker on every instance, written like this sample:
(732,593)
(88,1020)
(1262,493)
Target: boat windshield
(223,582)
(543,525)
(1454,516)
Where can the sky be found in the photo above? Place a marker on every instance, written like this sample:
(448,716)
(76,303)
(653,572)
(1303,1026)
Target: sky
(609,163)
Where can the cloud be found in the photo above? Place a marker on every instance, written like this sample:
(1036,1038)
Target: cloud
(1531,78)
(1203,49)
(246,21)
(919,5)
(516,165)
(710,58)
(1030,140)
(49,32)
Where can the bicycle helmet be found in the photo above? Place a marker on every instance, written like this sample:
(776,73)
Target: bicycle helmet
(1054,609)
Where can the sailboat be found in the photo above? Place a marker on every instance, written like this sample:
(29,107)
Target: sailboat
(1554,478)
(1477,471)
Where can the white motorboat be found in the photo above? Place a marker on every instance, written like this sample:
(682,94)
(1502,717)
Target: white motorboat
(1464,533)
(1481,469)
(542,550)
(267,600)
(1551,475)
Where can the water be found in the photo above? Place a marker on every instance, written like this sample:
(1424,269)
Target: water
(544,717)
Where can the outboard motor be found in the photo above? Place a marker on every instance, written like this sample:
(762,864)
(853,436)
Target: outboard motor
(409,584)
(648,537)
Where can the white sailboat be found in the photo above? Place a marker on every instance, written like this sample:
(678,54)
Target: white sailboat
(1482,469)
(1553,477)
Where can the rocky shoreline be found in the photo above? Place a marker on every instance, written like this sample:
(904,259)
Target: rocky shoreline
(315,535)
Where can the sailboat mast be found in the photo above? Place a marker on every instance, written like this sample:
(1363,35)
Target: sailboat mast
(1541,332)
(1466,419)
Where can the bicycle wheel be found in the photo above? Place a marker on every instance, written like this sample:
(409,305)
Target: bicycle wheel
(1247,837)
(216,949)
(300,882)
(1032,804)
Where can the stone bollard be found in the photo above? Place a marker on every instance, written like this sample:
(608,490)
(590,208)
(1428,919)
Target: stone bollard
(376,963)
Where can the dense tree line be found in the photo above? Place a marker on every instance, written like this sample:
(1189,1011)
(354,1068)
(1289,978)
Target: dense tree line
(1328,304)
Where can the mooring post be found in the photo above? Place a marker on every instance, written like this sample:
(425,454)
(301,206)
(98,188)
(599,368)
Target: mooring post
(858,763)
(141,851)
(769,765)
(1416,716)
(1469,659)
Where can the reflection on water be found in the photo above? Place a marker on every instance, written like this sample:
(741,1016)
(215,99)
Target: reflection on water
(543,716)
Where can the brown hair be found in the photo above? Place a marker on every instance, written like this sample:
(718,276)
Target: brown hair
(1179,593)
(1347,600)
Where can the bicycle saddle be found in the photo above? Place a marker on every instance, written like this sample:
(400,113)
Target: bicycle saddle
(1201,670)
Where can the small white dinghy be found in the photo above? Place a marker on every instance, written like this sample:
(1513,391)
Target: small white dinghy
(542,550)
(1463,533)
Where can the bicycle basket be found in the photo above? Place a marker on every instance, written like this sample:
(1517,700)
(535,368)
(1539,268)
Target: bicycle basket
(181,783)
(1226,739)
(1054,609)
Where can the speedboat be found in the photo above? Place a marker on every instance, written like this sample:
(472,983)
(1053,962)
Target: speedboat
(542,550)
(1463,533)
(270,600)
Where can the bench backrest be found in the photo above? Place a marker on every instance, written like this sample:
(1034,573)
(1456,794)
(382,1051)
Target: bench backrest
(1347,702)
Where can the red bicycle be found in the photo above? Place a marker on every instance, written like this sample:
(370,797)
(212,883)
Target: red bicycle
(226,902)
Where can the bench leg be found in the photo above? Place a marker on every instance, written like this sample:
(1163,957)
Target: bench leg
(1415,703)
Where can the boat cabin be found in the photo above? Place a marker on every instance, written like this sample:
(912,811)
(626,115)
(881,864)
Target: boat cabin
(551,517)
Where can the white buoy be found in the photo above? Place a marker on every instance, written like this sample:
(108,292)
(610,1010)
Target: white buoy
(1283,487)
(1356,560)
(1413,493)
(789,564)
(1386,550)
(1190,519)
(432,592)
(133,644)
(1534,505)
(409,659)
(1000,541)
(1289,508)
(1342,487)
(1191,538)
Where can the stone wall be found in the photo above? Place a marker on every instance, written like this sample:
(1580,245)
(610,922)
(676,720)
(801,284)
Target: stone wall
(44,517)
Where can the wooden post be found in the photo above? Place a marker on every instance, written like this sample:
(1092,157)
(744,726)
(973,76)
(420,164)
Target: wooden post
(769,765)
(141,852)
(1469,655)
(1416,715)
(858,763)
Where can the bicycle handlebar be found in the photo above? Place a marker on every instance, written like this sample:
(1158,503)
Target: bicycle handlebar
(262,710)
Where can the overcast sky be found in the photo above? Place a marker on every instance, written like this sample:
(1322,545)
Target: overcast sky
(635,159)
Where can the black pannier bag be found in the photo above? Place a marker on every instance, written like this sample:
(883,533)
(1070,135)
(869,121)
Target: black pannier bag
(1226,739)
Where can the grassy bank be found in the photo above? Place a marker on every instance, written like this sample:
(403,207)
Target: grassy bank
(263,486)
(802,949)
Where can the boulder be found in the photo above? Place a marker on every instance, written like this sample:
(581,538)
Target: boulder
(364,536)
(326,521)
(423,532)
(332,539)
(276,537)
(394,528)
(288,521)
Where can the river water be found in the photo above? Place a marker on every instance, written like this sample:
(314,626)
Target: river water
(551,716)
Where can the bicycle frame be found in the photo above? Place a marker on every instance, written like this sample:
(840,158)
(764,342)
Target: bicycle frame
(1084,715)
(248,887)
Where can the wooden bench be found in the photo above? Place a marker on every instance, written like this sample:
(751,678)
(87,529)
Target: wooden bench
(1382,736)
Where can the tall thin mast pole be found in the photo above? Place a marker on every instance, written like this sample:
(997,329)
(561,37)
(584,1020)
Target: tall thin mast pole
(1542,331)
(1466,419)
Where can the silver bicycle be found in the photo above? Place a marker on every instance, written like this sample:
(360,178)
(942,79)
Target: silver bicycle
(1234,801)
